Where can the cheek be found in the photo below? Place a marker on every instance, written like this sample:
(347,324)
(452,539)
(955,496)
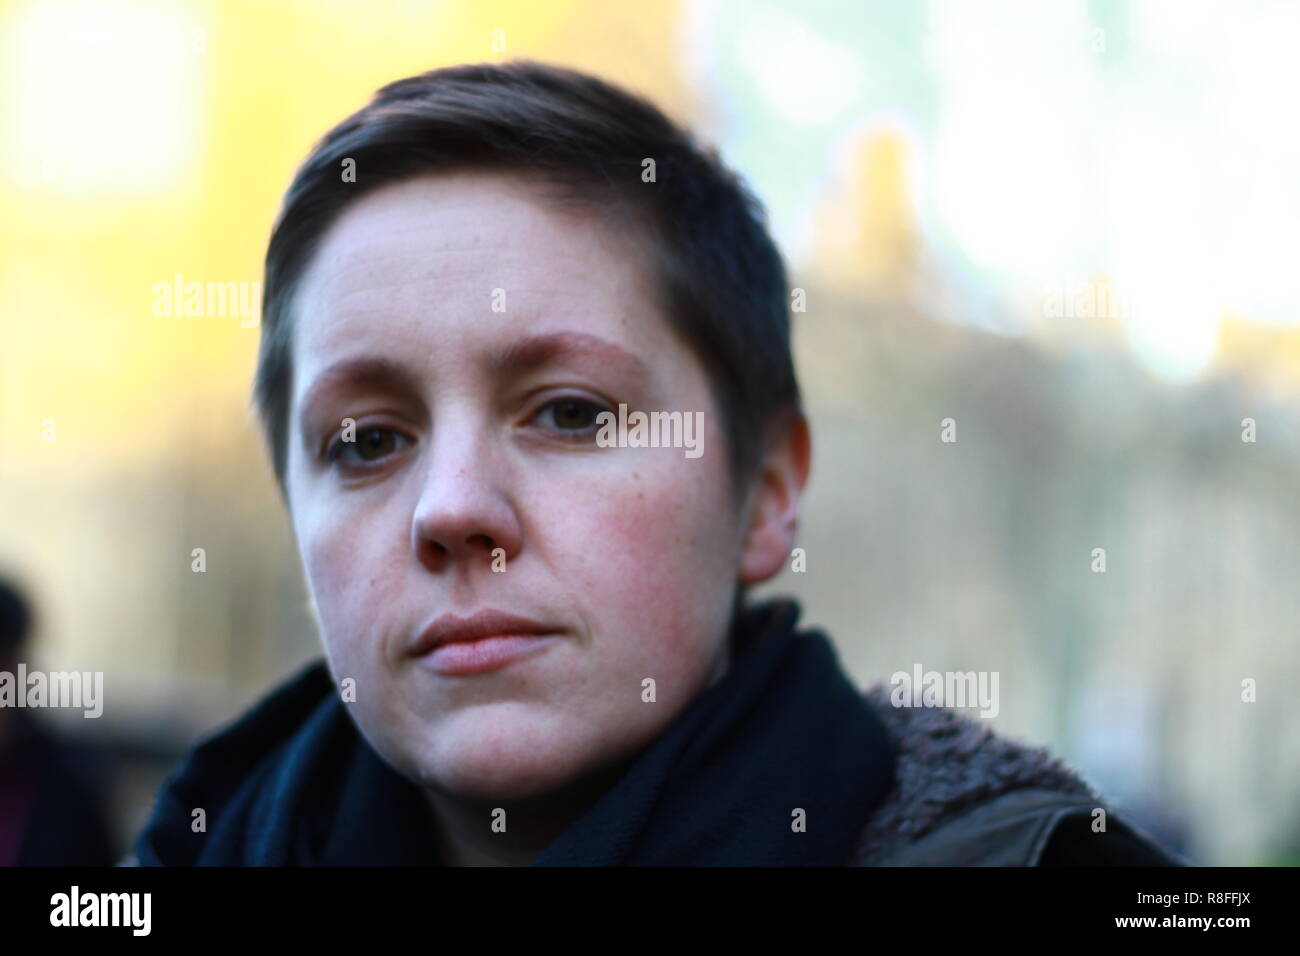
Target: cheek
(352,563)
(653,562)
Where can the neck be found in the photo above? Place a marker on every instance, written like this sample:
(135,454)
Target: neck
(464,827)
(465,833)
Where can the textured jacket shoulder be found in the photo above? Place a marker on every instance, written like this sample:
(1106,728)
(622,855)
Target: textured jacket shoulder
(965,796)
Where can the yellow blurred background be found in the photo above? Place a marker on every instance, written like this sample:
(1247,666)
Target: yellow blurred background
(1069,226)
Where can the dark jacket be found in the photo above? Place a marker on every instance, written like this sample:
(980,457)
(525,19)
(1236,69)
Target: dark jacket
(966,796)
(293,782)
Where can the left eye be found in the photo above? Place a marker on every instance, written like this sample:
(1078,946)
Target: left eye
(569,415)
(371,445)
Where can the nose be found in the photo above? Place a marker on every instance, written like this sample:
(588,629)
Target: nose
(465,512)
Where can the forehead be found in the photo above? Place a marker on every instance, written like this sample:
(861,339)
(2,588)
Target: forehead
(467,254)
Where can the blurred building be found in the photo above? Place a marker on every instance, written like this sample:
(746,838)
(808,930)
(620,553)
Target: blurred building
(1001,217)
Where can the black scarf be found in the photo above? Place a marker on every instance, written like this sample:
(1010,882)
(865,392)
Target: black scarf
(783,731)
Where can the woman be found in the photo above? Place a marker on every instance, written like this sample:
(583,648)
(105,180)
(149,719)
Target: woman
(480,289)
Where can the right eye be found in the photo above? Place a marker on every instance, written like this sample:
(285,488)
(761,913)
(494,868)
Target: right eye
(373,444)
(571,417)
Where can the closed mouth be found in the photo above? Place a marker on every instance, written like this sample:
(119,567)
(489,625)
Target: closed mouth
(452,629)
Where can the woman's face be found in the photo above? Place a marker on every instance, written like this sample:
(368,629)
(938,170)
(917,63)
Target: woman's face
(472,334)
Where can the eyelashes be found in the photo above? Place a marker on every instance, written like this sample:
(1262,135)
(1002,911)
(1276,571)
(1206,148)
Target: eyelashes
(570,419)
(373,444)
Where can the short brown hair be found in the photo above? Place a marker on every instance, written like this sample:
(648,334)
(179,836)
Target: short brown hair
(721,278)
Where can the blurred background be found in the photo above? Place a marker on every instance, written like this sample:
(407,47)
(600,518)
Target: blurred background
(1067,225)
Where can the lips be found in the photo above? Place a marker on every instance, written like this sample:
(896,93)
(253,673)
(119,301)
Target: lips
(450,629)
(481,642)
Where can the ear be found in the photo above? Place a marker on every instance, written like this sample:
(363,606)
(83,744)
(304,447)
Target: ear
(774,510)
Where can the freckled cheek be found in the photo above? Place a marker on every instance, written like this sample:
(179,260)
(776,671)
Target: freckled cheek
(651,566)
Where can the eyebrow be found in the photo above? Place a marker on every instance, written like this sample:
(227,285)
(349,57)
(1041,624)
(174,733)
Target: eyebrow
(535,351)
(514,359)
(365,372)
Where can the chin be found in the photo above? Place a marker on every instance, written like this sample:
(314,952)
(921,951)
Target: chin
(498,758)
